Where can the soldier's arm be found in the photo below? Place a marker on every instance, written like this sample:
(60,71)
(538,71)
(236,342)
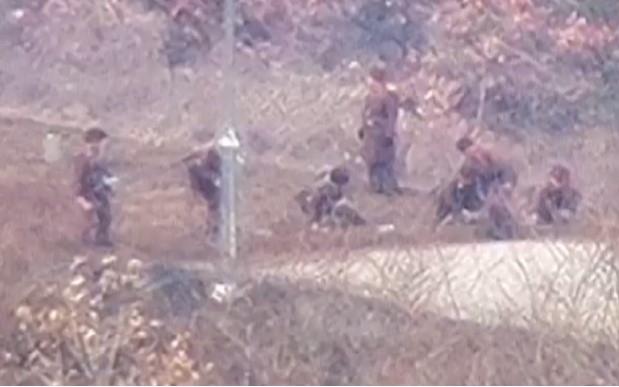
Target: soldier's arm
(507,174)
(80,165)
(575,198)
(368,108)
(315,207)
(79,169)
(445,204)
(194,180)
(443,210)
(303,199)
(78,172)
(545,209)
(110,180)
(393,108)
(569,205)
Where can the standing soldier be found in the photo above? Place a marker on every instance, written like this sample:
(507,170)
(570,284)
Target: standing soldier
(94,188)
(205,171)
(378,133)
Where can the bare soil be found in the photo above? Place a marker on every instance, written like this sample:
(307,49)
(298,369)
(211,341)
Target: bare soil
(81,67)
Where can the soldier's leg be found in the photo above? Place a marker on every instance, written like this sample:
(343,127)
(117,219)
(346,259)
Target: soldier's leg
(385,181)
(345,215)
(89,224)
(385,168)
(472,198)
(389,180)
(442,212)
(374,176)
(213,221)
(500,225)
(499,232)
(104,222)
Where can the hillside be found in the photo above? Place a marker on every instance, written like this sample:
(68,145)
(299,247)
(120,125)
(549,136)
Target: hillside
(535,79)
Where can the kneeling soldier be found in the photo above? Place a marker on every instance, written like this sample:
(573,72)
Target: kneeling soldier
(325,204)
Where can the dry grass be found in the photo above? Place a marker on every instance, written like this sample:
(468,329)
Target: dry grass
(398,324)
(106,322)
(554,283)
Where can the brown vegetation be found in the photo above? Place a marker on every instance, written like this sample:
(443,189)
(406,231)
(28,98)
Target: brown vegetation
(537,79)
(103,322)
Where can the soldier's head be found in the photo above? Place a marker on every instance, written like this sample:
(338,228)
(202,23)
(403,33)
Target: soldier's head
(339,176)
(559,176)
(464,143)
(95,139)
(467,174)
(378,80)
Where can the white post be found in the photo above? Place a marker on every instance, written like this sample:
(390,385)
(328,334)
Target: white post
(52,151)
(229,145)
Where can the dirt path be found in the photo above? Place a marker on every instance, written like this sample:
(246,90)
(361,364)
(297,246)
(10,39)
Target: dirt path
(561,283)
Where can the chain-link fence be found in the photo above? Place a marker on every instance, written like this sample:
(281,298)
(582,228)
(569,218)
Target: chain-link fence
(392,300)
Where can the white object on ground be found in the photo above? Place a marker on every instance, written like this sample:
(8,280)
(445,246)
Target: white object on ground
(222,292)
(386,228)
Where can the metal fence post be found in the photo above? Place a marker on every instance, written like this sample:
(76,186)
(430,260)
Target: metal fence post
(229,145)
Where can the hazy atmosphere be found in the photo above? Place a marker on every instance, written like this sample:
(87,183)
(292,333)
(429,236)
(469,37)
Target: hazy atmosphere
(423,192)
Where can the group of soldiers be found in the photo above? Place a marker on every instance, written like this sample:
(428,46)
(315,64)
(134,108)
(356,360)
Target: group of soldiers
(481,191)
(482,187)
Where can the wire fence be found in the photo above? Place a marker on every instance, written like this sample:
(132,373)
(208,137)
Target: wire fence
(392,301)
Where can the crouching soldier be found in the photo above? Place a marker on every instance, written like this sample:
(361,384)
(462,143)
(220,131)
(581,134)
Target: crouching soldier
(491,169)
(94,184)
(325,203)
(462,197)
(558,201)
(205,171)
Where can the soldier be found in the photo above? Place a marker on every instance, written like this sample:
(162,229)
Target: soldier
(378,133)
(94,187)
(499,222)
(461,194)
(325,204)
(558,201)
(205,169)
(491,169)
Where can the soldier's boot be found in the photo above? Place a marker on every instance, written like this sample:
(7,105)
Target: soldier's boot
(345,215)
(501,231)
(390,182)
(374,176)
(383,180)
(495,234)
(103,240)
